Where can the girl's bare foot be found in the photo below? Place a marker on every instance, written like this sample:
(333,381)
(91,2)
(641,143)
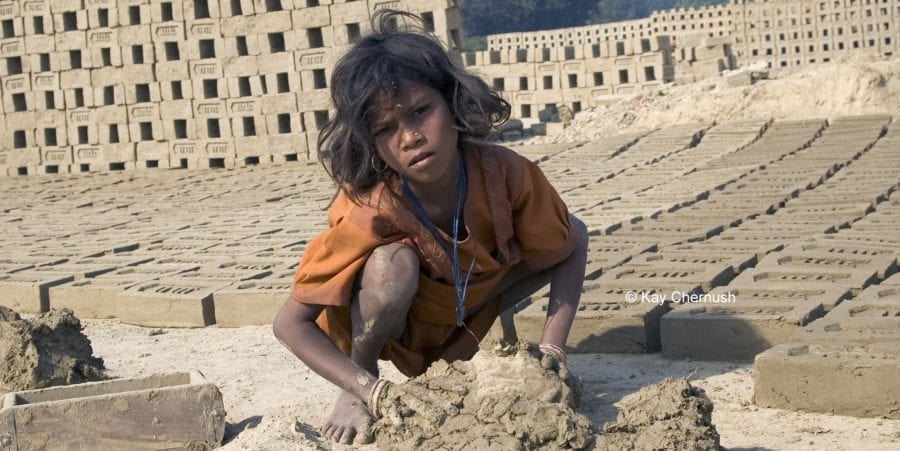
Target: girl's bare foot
(350,421)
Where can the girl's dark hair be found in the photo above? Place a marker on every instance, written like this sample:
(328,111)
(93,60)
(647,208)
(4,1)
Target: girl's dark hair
(373,68)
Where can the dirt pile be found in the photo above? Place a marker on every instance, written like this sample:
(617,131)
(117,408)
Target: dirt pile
(855,86)
(669,415)
(49,350)
(491,402)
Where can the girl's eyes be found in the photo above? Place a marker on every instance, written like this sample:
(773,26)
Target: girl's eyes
(388,128)
(383,130)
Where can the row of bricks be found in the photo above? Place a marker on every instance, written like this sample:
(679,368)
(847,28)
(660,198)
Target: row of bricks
(275,92)
(58,134)
(309,66)
(847,267)
(567,54)
(683,223)
(192,299)
(184,154)
(854,347)
(802,285)
(755,311)
(641,328)
(38,56)
(645,152)
(68,15)
(635,328)
(598,173)
(102,207)
(162,111)
(175,237)
(212,8)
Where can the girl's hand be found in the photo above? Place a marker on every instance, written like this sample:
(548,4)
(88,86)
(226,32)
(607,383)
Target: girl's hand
(553,358)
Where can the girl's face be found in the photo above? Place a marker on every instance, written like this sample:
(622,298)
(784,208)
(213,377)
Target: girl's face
(415,135)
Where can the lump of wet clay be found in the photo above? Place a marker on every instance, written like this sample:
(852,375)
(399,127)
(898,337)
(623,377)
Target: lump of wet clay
(671,414)
(7,314)
(49,350)
(490,402)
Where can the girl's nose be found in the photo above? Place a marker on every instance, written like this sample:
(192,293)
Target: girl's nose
(411,138)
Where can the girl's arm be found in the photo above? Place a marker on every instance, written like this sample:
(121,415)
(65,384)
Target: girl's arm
(295,327)
(566,283)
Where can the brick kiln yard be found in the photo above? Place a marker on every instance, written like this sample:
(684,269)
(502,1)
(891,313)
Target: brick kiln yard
(787,229)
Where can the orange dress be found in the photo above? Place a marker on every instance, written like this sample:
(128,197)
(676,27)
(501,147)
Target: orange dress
(512,215)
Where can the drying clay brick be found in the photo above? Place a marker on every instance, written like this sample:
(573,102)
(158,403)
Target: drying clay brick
(665,274)
(250,303)
(837,377)
(880,293)
(892,281)
(181,410)
(170,303)
(882,265)
(93,298)
(855,280)
(828,296)
(735,331)
(29,293)
(667,256)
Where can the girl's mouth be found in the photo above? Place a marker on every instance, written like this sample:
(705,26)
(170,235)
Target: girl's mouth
(420,159)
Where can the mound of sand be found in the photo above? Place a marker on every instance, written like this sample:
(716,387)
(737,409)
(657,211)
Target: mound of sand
(671,414)
(497,403)
(49,350)
(855,86)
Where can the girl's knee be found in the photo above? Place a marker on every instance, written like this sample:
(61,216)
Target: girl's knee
(391,275)
(581,229)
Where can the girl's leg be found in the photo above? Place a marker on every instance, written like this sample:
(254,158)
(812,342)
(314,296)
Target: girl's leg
(386,286)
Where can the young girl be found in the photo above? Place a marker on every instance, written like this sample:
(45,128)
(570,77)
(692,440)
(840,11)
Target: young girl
(429,230)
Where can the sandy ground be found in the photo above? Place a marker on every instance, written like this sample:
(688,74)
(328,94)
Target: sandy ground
(275,402)
(856,85)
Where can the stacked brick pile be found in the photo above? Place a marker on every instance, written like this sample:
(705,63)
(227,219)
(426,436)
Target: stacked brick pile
(700,56)
(704,42)
(136,84)
(580,76)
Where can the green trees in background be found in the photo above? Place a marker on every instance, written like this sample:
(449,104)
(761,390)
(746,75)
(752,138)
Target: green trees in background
(483,17)
(696,3)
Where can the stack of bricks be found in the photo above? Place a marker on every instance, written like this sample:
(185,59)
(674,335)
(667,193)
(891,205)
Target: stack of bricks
(711,20)
(580,76)
(699,57)
(789,33)
(708,40)
(781,32)
(110,85)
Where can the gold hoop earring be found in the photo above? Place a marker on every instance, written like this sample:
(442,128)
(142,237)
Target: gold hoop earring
(377,170)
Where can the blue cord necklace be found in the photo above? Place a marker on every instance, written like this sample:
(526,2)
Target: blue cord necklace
(459,284)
